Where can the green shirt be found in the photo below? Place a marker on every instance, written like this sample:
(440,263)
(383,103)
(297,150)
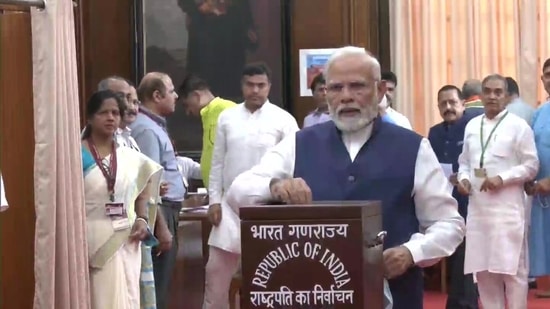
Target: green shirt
(209,117)
(474,102)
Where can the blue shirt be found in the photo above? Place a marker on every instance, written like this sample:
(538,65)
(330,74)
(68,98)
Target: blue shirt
(521,109)
(316,117)
(388,119)
(541,130)
(149,131)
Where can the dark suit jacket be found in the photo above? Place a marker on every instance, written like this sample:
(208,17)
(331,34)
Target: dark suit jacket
(447,140)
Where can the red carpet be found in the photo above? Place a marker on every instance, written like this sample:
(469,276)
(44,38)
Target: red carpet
(433,300)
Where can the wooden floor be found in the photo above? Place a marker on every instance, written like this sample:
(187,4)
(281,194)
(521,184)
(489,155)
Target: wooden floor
(188,280)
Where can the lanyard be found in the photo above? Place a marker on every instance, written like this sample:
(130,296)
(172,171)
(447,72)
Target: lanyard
(484,145)
(108,172)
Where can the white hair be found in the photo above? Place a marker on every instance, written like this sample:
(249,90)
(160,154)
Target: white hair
(367,113)
(354,51)
(105,83)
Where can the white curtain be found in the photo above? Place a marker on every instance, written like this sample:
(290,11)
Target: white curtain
(61,265)
(438,42)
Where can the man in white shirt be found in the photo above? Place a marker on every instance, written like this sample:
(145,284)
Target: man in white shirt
(129,94)
(389,100)
(350,158)
(243,135)
(189,169)
(498,157)
(3,202)
(124,136)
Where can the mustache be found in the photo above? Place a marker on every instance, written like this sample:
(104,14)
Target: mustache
(449,112)
(348,106)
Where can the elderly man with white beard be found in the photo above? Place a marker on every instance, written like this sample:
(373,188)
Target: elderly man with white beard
(370,160)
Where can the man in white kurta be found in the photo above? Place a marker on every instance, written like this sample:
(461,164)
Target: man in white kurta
(388,101)
(244,134)
(498,157)
(3,201)
(354,90)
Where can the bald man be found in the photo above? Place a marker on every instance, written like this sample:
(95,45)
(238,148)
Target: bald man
(124,89)
(419,213)
(158,100)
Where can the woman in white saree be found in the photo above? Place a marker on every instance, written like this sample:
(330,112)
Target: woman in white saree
(118,183)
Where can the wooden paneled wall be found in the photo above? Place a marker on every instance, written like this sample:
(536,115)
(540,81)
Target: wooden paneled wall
(106,37)
(105,40)
(16,160)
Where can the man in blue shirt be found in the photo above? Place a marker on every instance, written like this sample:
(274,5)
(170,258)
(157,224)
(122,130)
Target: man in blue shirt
(447,139)
(156,92)
(516,105)
(319,94)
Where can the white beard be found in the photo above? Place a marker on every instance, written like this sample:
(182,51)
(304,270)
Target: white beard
(353,124)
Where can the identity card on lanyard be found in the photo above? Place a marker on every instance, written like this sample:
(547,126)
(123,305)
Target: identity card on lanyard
(114,210)
(481,172)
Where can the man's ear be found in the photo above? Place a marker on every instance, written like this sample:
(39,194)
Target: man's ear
(196,93)
(156,96)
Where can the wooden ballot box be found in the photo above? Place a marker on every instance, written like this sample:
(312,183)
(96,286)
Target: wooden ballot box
(325,255)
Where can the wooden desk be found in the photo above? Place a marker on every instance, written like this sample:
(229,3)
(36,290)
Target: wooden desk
(200,216)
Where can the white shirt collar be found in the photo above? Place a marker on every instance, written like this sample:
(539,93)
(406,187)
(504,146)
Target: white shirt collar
(125,131)
(355,140)
(384,103)
(264,106)
(499,115)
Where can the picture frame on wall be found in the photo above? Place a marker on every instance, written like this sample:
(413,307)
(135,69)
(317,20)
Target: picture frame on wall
(213,39)
(312,63)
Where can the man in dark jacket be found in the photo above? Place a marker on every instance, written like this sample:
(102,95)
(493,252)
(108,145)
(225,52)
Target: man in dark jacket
(447,139)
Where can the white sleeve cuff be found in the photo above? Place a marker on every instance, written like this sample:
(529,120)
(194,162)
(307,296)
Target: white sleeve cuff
(463,176)
(415,250)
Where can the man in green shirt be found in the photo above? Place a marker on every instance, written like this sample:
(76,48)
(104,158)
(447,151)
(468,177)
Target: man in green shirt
(471,90)
(199,101)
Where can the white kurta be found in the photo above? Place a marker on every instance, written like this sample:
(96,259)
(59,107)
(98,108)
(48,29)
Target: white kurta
(496,220)
(399,119)
(242,138)
(125,139)
(189,169)
(3,201)
(441,225)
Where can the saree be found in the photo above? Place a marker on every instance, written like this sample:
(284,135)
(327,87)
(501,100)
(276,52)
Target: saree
(114,260)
